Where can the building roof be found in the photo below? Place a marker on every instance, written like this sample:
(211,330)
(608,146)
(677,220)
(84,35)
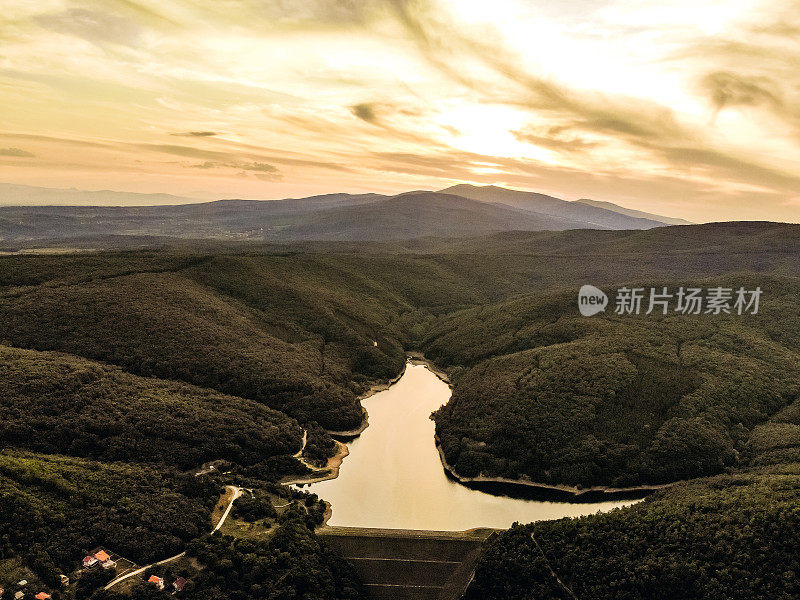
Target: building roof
(155,579)
(42,596)
(179,583)
(102,556)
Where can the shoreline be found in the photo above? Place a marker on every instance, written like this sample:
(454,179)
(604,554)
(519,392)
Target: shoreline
(332,468)
(566,492)
(373,389)
(503,486)
(342,437)
(417,358)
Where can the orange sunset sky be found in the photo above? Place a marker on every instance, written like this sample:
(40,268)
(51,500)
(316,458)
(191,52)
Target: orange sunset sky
(679,107)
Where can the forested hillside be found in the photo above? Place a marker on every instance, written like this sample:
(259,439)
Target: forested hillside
(293,563)
(56,509)
(548,395)
(730,537)
(61,404)
(166,324)
(138,364)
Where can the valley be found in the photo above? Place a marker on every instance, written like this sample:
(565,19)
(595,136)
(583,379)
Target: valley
(152,363)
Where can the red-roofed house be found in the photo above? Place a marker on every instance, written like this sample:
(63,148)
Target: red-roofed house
(89,561)
(102,556)
(42,596)
(157,581)
(179,584)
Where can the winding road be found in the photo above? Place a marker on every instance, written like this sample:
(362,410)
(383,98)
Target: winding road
(237,491)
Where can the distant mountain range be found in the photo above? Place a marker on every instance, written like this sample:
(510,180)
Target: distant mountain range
(599,215)
(458,211)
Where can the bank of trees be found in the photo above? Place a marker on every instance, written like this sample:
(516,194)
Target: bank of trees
(284,341)
(731,537)
(294,563)
(56,509)
(58,404)
(541,392)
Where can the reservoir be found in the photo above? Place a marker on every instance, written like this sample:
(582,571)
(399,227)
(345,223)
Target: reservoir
(394,479)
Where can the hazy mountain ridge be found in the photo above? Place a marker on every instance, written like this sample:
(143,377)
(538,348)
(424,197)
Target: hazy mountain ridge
(633,213)
(595,216)
(459,211)
(15,194)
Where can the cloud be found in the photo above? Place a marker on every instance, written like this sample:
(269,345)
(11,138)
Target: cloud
(257,166)
(365,112)
(269,176)
(262,170)
(94,26)
(206,165)
(54,139)
(554,142)
(18,152)
(186,151)
(734,168)
(196,134)
(755,65)
(730,89)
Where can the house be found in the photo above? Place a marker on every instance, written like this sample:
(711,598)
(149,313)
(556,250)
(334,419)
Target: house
(64,580)
(179,584)
(19,595)
(22,582)
(156,581)
(43,596)
(104,558)
(89,562)
(2,591)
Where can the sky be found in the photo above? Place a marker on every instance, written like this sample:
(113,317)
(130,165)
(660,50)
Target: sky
(679,107)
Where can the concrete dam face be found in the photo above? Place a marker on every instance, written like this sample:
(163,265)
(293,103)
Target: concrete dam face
(396,564)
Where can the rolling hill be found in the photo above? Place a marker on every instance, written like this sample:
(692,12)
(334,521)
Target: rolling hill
(459,211)
(539,391)
(633,213)
(592,215)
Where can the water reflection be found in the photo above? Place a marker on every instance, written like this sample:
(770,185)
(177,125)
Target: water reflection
(393,477)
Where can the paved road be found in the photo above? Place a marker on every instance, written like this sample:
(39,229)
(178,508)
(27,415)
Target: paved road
(236,493)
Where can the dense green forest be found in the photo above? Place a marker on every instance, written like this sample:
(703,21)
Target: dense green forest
(277,339)
(60,404)
(730,537)
(294,563)
(621,400)
(141,365)
(56,509)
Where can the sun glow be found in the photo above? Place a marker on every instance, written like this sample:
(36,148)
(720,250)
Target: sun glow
(632,99)
(488,130)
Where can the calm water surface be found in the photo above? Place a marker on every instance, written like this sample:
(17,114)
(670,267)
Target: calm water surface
(393,477)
